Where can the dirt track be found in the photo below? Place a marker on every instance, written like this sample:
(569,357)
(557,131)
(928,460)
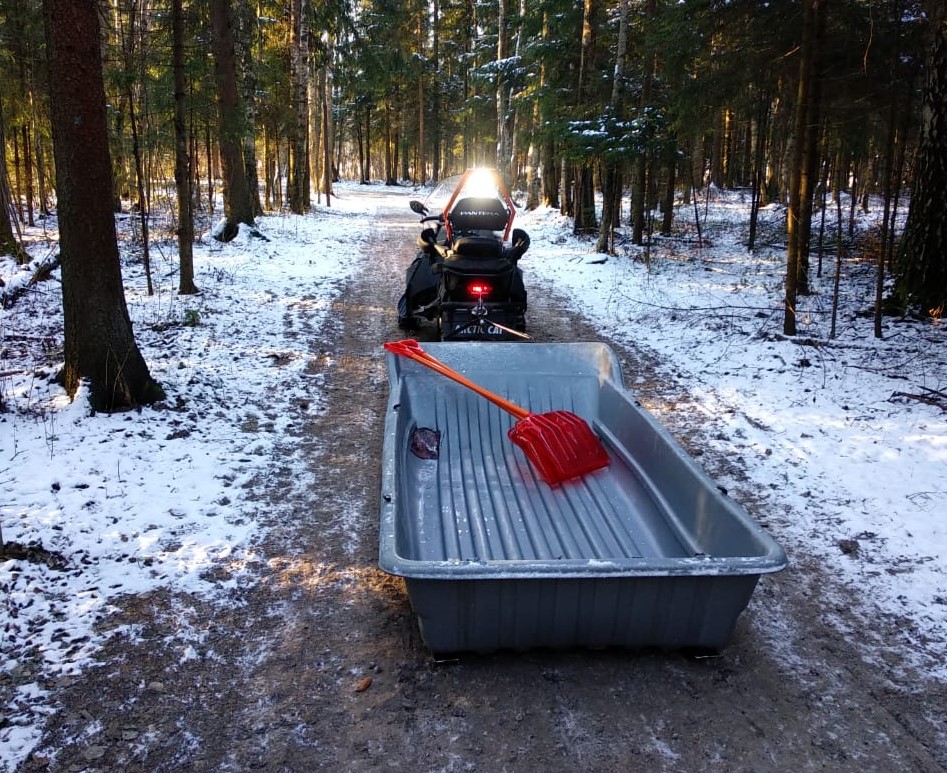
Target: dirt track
(320,665)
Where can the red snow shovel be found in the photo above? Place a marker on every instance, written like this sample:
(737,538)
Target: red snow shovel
(559,444)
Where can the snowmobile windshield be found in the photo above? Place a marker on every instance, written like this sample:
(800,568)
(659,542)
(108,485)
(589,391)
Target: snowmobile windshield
(440,194)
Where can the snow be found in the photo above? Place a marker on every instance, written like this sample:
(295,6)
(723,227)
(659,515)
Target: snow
(844,468)
(845,471)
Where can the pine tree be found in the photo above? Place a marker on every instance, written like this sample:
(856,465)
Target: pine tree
(238,202)
(99,343)
(922,261)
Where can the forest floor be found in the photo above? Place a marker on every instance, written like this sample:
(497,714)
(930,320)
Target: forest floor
(319,665)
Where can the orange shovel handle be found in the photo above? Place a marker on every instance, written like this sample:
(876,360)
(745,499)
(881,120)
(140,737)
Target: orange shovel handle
(412,350)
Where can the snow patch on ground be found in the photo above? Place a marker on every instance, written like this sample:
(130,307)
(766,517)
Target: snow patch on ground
(845,468)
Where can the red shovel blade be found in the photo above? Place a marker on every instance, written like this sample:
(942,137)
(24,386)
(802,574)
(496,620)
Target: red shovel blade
(560,445)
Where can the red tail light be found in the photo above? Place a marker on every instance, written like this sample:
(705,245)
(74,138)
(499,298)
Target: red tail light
(478,289)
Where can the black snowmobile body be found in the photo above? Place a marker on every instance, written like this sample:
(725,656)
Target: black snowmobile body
(466,278)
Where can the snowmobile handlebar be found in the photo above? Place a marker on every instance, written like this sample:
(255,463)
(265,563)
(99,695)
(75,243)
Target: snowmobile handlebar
(520,243)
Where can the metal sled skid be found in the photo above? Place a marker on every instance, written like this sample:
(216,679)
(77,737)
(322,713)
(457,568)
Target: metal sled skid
(646,552)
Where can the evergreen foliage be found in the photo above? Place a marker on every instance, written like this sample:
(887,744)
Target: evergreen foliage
(410,91)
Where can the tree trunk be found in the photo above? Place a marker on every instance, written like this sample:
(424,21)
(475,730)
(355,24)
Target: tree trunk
(238,204)
(611,205)
(8,241)
(805,151)
(131,42)
(182,164)
(211,169)
(325,84)
(611,168)
(517,160)
(143,200)
(17,183)
(537,143)
(421,166)
(360,144)
(99,342)
(759,171)
(583,211)
(28,173)
(299,122)
(435,91)
(390,163)
(566,179)
(40,170)
(246,25)
(504,139)
(549,168)
(639,191)
(887,223)
(671,159)
(921,264)
(532,165)
(9,244)
(584,220)
(367,174)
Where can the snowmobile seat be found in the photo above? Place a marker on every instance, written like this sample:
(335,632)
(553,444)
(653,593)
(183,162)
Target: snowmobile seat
(478,247)
(482,266)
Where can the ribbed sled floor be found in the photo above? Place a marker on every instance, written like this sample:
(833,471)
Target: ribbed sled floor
(481,501)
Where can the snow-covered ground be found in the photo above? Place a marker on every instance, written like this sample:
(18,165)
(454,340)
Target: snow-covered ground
(854,473)
(844,456)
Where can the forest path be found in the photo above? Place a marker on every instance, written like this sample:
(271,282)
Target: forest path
(318,664)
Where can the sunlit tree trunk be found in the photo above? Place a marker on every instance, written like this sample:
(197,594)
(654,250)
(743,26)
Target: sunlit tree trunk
(246,21)
(28,173)
(132,39)
(611,168)
(517,112)
(325,89)
(9,244)
(99,343)
(532,161)
(534,180)
(299,124)
(504,140)
(548,163)
(639,187)
(584,196)
(182,163)
(18,184)
(420,171)
(238,204)
(434,89)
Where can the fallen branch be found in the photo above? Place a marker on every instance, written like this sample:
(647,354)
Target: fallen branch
(932,397)
(43,271)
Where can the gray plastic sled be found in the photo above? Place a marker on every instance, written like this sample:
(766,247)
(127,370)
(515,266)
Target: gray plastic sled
(647,552)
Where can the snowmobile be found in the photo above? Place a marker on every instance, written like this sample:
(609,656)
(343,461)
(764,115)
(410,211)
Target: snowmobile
(466,278)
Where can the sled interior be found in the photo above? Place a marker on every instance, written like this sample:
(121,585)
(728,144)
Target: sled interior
(647,552)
